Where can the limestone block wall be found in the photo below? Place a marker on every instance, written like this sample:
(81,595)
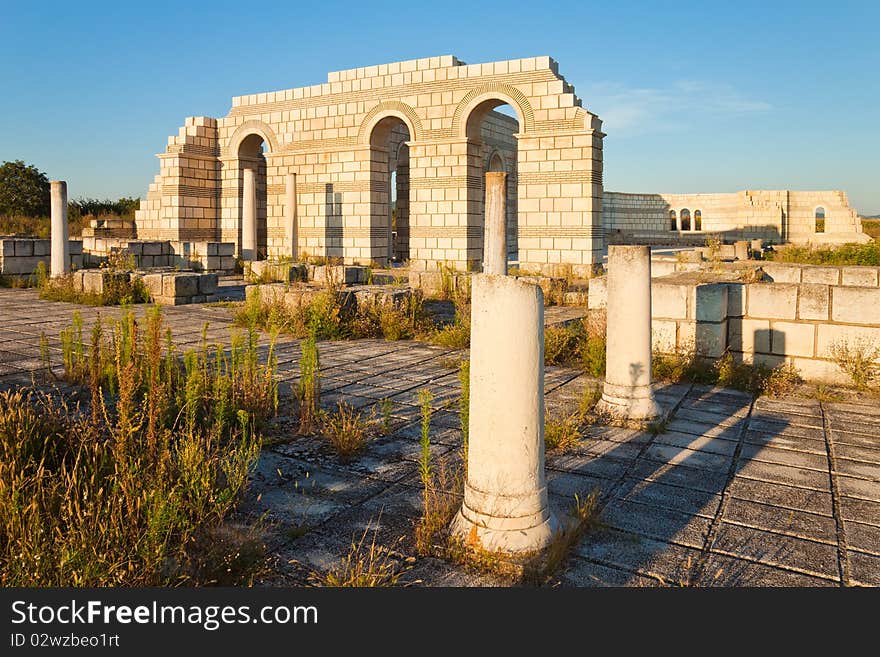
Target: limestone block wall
(769,323)
(334,137)
(208,256)
(841,221)
(20,256)
(774,216)
(183,201)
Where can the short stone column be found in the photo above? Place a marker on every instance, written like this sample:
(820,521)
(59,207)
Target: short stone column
(249,216)
(627,393)
(495,241)
(60,258)
(505,496)
(741,250)
(290,215)
(757,247)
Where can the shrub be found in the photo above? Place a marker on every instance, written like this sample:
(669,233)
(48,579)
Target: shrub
(308,392)
(857,359)
(132,492)
(845,254)
(456,335)
(326,316)
(365,565)
(346,430)
(562,434)
(562,343)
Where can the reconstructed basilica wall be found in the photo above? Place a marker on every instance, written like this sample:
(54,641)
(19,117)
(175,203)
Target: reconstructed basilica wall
(390,163)
(429,121)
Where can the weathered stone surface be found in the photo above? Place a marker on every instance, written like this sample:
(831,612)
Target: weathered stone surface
(776,301)
(180,285)
(791,339)
(859,276)
(814,302)
(710,302)
(822,275)
(856,305)
(670,300)
(208,283)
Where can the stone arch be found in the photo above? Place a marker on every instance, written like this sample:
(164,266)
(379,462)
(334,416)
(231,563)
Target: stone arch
(505,93)
(385,109)
(684,218)
(495,161)
(247,129)
(820,217)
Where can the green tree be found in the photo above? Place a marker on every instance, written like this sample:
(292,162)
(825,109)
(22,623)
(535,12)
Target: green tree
(24,190)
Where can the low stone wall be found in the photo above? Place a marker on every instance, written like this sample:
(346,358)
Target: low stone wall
(773,272)
(767,322)
(349,298)
(207,256)
(20,256)
(181,288)
(172,288)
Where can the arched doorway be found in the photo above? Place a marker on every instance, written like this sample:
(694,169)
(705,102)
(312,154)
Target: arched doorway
(491,130)
(819,220)
(252,192)
(389,192)
(685,216)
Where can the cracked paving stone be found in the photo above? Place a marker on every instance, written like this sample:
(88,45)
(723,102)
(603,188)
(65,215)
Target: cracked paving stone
(793,458)
(787,521)
(865,511)
(675,498)
(789,497)
(864,569)
(680,475)
(609,547)
(862,536)
(723,570)
(869,490)
(583,573)
(691,458)
(657,523)
(698,443)
(778,550)
(782,474)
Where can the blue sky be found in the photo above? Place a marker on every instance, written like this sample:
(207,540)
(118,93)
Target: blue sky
(696,97)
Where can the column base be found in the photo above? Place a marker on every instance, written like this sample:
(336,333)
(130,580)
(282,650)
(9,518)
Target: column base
(510,535)
(631,404)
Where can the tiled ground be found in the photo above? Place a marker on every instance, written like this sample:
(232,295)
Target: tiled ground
(736,491)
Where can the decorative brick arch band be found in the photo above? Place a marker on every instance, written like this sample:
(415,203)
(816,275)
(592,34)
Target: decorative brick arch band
(388,108)
(247,129)
(493,91)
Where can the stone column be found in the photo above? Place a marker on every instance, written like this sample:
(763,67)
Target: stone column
(495,242)
(249,216)
(627,394)
(741,250)
(290,213)
(505,496)
(60,259)
(757,247)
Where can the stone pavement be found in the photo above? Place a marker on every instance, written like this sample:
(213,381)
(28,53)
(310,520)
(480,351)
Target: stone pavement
(734,492)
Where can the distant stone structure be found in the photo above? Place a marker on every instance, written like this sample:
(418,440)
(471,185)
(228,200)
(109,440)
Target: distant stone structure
(390,163)
(774,216)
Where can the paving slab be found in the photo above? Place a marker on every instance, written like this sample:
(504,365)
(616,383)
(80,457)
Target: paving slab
(660,495)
